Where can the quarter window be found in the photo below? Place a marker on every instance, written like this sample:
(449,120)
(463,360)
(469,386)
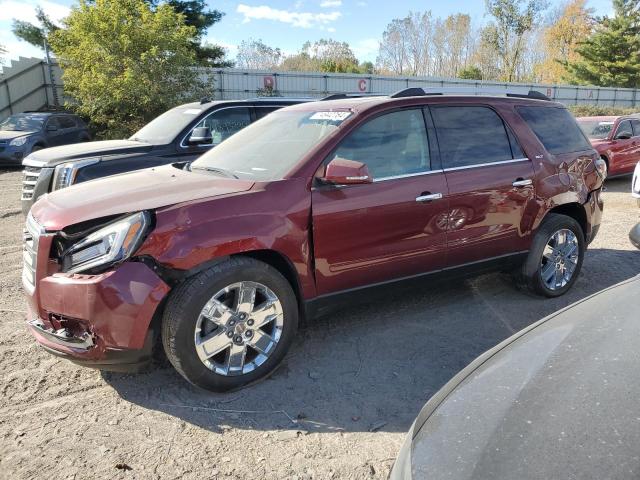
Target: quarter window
(556,128)
(225,123)
(390,145)
(66,122)
(624,130)
(470,136)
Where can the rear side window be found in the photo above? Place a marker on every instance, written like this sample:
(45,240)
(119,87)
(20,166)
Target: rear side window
(555,128)
(66,122)
(470,136)
(636,127)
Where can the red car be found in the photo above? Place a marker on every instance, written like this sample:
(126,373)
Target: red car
(617,140)
(220,258)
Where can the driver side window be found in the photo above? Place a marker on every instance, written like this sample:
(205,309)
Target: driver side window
(224,123)
(394,144)
(624,130)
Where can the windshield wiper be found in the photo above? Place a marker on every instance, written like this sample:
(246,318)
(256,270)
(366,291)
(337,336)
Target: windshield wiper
(221,171)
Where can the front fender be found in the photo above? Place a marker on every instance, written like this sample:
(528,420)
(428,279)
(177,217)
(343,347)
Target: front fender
(272,216)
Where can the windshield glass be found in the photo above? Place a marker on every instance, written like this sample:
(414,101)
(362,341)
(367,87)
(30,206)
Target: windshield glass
(596,129)
(164,129)
(271,147)
(22,123)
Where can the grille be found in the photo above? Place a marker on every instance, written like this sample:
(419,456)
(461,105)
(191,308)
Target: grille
(31,173)
(32,233)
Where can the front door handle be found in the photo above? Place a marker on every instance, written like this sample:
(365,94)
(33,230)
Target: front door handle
(428,197)
(522,183)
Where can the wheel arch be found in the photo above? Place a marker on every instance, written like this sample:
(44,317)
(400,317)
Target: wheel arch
(576,211)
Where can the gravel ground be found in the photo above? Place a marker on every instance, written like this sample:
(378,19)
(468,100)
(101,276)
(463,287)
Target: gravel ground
(337,408)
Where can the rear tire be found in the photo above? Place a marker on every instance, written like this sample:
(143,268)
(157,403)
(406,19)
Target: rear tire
(555,258)
(230,325)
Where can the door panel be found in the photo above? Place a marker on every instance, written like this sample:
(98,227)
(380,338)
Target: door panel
(372,233)
(624,150)
(487,214)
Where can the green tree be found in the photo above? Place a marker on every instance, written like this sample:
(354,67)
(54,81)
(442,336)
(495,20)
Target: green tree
(611,55)
(324,55)
(35,34)
(470,73)
(124,63)
(513,19)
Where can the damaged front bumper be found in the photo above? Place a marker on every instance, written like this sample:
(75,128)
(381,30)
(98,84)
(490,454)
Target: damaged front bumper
(103,321)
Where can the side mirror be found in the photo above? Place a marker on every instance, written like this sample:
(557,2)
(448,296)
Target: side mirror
(341,171)
(201,136)
(52,128)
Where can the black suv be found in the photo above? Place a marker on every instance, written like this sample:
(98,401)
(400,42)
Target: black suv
(28,132)
(180,134)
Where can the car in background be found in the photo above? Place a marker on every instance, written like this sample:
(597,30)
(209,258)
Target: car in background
(558,399)
(180,134)
(218,258)
(616,139)
(24,133)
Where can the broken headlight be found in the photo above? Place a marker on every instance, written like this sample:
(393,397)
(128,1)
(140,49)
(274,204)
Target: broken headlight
(107,246)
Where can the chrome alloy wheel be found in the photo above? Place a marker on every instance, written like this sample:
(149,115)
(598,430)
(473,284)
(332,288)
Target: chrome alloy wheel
(560,259)
(239,328)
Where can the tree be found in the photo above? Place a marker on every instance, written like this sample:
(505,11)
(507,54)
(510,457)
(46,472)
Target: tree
(513,19)
(255,54)
(325,55)
(570,25)
(611,56)
(124,63)
(36,35)
(470,73)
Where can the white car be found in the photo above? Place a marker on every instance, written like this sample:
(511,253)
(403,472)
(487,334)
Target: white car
(635,184)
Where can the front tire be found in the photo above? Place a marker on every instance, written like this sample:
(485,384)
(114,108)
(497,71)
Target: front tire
(555,259)
(230,325)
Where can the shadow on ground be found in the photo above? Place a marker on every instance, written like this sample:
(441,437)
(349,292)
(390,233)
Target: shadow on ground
(372,366)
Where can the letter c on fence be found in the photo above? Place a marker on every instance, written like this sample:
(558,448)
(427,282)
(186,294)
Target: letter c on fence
(362,85)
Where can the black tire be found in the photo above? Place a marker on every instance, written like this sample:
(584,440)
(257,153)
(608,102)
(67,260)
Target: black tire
(189,298)
(530,275)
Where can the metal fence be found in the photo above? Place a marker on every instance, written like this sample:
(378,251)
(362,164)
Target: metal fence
(234,84)
(27,85)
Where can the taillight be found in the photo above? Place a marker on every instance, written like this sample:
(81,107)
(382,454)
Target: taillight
(601,168)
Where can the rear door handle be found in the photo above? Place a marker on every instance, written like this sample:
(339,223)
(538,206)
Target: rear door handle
(428,197)
(522,183)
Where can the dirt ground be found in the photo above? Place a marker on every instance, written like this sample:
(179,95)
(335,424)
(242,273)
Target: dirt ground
(338,407)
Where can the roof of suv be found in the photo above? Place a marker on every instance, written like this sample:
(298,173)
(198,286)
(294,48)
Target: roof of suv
(206,103)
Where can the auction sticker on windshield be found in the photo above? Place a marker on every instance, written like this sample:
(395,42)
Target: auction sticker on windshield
(330,116)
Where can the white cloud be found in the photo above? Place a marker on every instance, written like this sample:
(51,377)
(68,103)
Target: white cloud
(331,29)
(361,4)
(231,49)
(330,3)
(297,19)
(26,10)
(366,49)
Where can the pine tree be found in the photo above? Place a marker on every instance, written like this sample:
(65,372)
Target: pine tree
(610,57)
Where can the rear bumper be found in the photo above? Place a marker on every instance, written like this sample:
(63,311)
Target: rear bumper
(102,321)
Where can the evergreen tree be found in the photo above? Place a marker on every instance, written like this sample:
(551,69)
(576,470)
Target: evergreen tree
(610,57)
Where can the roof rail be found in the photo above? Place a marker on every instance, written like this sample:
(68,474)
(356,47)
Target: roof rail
(338,96)
(419,92)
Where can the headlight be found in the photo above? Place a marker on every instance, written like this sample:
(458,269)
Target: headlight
(110,245)
(18,142)
(65,174)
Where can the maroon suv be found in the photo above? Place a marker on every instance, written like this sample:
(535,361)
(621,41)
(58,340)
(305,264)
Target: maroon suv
(221,257)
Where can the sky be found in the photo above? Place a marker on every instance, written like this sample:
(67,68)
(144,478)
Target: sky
(286,24)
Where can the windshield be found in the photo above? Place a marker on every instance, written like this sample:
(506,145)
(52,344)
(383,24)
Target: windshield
(596,129)
(22,123)
(164,129)
(271,147)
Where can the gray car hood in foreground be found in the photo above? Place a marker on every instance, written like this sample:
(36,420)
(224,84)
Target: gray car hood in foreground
(79,151)
(562,401)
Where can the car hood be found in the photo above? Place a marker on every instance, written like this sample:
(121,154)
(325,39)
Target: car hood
(10,135)
(559,401)
(78,151)
(146,189)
